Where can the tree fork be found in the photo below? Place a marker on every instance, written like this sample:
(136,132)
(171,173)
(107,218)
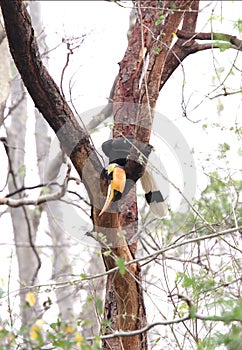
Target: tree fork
(131,106)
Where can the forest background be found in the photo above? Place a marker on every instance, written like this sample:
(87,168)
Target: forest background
(202,100)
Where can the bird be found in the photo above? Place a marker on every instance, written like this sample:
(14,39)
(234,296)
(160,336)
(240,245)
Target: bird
(116,185)
(117,150)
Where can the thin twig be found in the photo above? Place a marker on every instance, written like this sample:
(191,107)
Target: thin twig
(14,203)
(144,258)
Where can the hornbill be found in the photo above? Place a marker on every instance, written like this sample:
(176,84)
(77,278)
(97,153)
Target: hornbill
(118,150)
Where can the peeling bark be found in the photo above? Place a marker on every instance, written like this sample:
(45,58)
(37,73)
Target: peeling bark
(134,100)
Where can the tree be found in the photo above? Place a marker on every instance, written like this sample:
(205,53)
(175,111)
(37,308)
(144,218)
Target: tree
(134,96)
(26,222)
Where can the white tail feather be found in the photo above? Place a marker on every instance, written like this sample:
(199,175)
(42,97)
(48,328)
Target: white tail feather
(147,181)
(158,207)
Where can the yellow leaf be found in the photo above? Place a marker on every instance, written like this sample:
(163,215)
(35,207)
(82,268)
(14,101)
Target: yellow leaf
(34,332)
(174,35)
(30,298)
(78,338)
(11,336)
(69,329)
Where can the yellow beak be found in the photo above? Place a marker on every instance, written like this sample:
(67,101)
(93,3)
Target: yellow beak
(116,180)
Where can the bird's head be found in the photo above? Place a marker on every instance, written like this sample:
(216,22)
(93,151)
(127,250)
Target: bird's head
(111,167)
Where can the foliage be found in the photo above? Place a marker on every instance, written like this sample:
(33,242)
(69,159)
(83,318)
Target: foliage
(56,335)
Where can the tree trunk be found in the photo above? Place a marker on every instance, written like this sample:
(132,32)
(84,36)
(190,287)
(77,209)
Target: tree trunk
(24,231)
(61,255)
(5,78)
(135,98)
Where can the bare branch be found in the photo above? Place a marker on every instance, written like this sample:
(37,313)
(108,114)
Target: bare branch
(14,203)
(225,93)
(105,112)
(24,188)
(32,245)
(16,104)
(190,316)
(142,330)
(161,251)
(180,49)
(8,294)
(232,40)
(70,50)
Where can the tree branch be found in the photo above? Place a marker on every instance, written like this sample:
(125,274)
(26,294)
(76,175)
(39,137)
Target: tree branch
(14,203)
(24,188)
(145,329)
(184,46)
(105,112)
(141,330)
(46,94)
(171,247)
(235,42)
(181,49)
(186,43)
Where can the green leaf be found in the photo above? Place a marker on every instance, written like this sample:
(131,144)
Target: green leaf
(173,5)
(121,265)
(45,190)
(188,282)
(160,18)
(99,306)
(223,149)
(107,252)
(53,325)
(157,50)
(238,25)
(83,276)
(193,311)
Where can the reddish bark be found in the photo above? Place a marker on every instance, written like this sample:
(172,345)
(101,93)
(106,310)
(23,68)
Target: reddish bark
(131,105)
